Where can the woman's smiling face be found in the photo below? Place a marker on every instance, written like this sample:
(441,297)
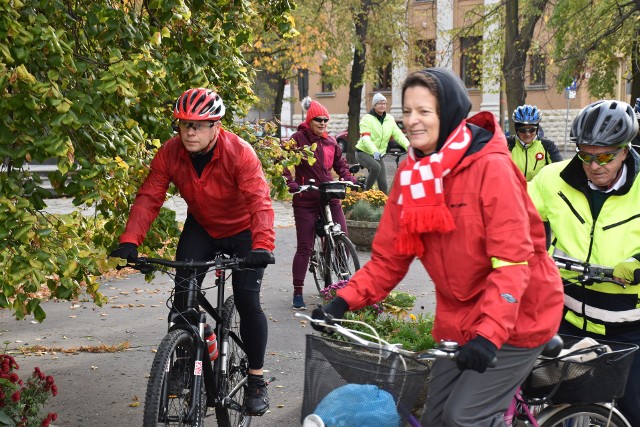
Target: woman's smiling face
(420,118)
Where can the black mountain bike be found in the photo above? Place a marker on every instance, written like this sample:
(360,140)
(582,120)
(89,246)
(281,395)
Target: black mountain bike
(183,381)
(334,257)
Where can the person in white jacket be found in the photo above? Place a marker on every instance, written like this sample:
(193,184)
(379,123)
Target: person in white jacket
(376,128)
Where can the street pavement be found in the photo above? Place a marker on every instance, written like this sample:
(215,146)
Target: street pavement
(108,389)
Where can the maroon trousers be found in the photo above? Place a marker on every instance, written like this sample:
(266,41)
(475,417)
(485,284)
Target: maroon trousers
(305,217)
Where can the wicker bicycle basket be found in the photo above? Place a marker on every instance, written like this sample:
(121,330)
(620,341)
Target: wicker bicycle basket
(331,364)
(565,379)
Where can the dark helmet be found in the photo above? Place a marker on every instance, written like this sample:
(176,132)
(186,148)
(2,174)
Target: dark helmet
(526,115)
(199,104)
(605,123)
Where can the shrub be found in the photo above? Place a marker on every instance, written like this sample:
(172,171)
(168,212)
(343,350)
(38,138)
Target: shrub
(363,211)
(364,206)
(20,403)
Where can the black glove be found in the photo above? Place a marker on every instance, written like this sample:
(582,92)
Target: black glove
(478,354)
(334,310)
(259,258)
(128,251)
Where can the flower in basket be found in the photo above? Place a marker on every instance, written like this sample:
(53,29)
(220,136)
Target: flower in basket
(364,206)
(20,402)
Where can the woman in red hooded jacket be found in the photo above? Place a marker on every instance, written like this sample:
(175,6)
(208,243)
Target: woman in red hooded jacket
(498,293)
(307,206)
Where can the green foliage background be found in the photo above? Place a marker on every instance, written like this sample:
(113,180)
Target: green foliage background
(90,85)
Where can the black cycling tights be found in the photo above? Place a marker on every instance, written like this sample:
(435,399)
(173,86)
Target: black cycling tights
(196,244)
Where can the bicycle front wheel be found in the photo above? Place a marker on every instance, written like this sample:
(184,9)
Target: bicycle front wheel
(318,263)
(234,382)
(584,416)
(343,258)
(171,388)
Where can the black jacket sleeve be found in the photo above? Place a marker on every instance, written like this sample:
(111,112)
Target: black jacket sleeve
(551,148)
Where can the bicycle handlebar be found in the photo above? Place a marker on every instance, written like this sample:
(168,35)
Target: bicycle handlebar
(144,263)
(316,187)
(588,272)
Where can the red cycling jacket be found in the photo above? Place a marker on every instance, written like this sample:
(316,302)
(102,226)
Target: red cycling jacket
(231,195)
(492,275)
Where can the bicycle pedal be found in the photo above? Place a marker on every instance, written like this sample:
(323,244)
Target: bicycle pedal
(270,380)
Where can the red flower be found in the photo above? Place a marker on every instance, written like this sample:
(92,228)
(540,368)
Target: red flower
(15,397)
(14,378)
(54,390)
(45,422)
(539,156)
(53,416)
(49,380)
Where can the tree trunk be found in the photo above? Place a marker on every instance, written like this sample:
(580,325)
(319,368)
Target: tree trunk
(513,64)
(280,83)
(518,37)
(635,71)
(361,19)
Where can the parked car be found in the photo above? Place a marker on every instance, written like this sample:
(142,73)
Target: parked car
(342,138)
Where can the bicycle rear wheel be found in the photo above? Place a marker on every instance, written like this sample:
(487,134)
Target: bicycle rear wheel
(171,389)
(583,416)
(318,263)
(344,260)
(234,384)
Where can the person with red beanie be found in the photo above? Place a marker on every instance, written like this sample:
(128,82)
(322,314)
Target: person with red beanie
(307,206)
(460,205)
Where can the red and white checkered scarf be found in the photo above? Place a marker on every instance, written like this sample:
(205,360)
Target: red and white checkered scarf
(423,208)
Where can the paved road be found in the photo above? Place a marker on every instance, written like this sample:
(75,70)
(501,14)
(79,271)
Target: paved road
(98,389)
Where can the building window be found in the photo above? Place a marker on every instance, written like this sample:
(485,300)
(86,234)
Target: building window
(538,70)
(327,86)
(426,55)
(383,82)
(470,61)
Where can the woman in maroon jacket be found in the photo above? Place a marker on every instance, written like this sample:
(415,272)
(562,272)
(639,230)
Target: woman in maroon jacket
(306,206)
(461,206)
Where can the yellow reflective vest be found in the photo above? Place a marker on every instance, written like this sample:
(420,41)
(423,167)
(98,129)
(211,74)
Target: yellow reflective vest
(561,194)
(531,159)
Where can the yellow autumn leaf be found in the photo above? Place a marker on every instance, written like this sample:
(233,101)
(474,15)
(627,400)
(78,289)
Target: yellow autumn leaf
(121,163)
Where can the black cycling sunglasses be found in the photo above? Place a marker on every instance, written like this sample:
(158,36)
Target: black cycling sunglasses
(601,158)
(320,120)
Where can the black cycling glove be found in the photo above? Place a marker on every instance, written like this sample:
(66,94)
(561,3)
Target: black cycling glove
(259,258)
(128,251)
(477,355)
(333,310)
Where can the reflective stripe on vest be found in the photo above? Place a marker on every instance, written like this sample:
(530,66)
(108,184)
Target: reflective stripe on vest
(606,316)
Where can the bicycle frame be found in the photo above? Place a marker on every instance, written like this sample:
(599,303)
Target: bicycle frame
(193,320)
(214,376)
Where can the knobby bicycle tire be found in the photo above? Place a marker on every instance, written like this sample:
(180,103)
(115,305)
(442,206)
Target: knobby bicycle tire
(170,387)
(318,263)
(237,368)
(583,415)
(342,261)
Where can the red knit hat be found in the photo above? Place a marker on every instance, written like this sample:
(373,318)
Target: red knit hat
(316,109)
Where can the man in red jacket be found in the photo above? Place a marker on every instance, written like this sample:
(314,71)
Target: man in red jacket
(460,205)
(229,210)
